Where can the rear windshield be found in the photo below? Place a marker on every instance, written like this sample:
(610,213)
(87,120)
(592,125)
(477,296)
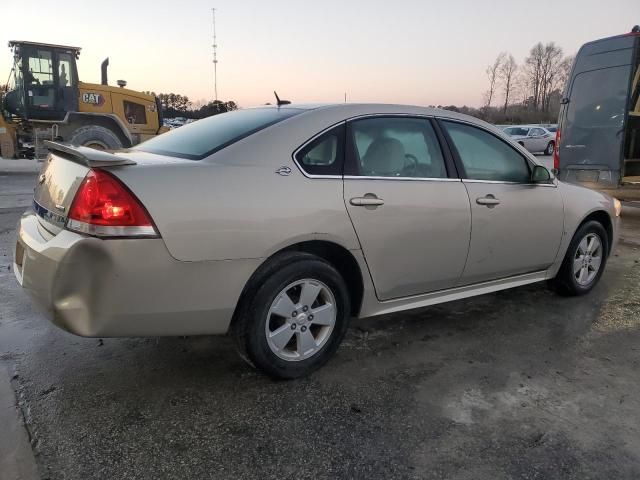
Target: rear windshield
(204,137)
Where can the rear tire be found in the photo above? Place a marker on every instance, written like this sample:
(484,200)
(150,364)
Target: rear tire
(95,136)
(289,345)
(549,149)
(578,273)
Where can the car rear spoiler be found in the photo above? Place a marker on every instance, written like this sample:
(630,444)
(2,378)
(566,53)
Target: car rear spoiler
(88,156)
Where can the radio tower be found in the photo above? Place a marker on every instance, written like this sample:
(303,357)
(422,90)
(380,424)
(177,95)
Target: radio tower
(215,57)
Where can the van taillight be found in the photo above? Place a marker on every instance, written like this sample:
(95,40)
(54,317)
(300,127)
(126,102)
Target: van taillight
(556,150)
(104,207)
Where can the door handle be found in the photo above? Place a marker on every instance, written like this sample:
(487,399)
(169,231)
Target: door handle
(489,201)
(366,201)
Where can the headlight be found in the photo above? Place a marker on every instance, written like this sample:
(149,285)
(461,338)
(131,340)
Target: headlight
(617,206)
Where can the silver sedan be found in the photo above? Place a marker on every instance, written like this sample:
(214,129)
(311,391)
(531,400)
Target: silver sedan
(279,224)
(535,138)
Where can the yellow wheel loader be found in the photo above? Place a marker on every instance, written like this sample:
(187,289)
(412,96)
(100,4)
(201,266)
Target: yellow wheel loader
(45,100)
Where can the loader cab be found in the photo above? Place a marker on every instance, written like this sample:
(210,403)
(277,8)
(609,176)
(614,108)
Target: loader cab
(45,81)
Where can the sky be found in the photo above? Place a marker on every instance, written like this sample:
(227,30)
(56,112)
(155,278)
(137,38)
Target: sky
(404,51)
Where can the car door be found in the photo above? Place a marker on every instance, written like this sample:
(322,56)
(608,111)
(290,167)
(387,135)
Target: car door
(516,225)
(410,211)
(528,140)
(538,140)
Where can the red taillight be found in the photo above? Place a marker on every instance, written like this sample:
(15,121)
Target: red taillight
(556,150)
(104,207)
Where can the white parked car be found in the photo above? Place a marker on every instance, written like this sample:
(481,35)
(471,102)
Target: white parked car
(534,138)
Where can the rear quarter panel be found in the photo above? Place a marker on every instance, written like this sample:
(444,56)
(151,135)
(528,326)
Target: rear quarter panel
(234,205)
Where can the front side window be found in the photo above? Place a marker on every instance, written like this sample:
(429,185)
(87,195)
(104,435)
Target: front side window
(39,68)
(38,80)
(209,135)
(395,147)
(486,157)
(324,155)
(536,132)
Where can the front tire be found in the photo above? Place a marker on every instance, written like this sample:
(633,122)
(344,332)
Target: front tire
(549,149)
(584,261)
(293,317)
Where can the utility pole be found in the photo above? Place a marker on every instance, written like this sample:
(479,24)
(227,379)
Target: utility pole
(215,58)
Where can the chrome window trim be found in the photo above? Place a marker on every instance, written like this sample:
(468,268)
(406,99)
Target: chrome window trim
(525,154)
(470,180)
(410,179)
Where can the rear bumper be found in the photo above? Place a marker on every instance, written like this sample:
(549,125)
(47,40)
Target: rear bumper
(125,287)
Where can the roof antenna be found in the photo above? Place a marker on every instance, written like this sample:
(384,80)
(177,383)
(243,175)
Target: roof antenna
(281,102)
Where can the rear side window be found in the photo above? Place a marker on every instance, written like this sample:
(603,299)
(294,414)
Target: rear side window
(395,147)
(209,135)
(324,155)
(517,131)
(486,157)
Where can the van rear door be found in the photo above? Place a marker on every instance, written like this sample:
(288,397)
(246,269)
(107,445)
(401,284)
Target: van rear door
(592,123)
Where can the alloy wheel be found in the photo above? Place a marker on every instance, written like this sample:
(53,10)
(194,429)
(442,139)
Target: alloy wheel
(549,150)
(300,320)
(587,259)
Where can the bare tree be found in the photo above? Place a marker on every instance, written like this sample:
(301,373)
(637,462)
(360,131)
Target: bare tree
(506,74)
(493,76)
(534,69)
(564,70)
(550,71)
(543,70)
(520,89)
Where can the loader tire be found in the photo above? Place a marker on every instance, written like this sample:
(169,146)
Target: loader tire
(95,136)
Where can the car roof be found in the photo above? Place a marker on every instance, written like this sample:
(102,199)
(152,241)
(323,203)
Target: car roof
(348,110)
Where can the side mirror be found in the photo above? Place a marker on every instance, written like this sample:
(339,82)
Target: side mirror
(540,174)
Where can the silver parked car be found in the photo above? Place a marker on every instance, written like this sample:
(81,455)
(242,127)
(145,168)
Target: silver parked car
(535,138)
(278,224)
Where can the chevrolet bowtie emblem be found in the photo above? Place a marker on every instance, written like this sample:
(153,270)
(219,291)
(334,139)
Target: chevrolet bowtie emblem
(284,171)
